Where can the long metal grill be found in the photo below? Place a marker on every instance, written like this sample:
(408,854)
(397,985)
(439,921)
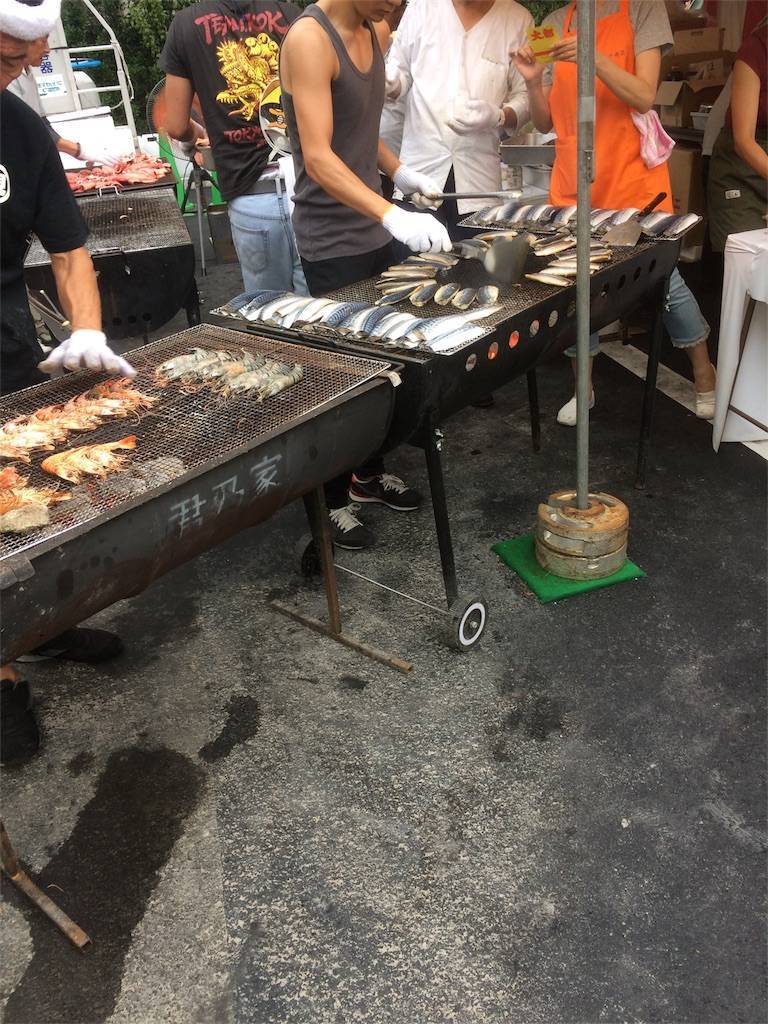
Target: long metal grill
(133,222)
(514,299)
(185,434)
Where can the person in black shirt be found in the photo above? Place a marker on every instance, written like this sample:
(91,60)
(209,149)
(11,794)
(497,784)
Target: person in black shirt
(35,196)
(226,52)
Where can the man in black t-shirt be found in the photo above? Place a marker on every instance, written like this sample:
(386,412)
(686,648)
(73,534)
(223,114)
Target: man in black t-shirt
(227,52)
(35,196)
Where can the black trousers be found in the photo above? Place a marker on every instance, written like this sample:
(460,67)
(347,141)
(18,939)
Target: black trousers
(325,276)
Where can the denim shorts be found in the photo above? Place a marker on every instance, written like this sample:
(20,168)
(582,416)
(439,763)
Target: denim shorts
(682,318)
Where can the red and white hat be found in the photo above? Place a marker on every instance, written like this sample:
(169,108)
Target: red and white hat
(28,19)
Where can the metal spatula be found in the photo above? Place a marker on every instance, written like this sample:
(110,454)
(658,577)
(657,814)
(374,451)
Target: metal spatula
(629,232)
(506,258)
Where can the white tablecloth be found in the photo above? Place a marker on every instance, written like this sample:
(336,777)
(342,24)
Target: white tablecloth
(742,384)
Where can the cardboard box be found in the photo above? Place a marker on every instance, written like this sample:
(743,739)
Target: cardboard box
(677,100)
(686,175)
(688,82)
(698,40)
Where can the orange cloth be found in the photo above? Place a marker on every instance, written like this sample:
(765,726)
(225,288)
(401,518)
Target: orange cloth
(621,178)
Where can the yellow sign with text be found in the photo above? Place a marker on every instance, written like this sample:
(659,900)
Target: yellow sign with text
(541,39)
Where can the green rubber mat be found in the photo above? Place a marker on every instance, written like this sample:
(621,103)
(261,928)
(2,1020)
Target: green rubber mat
(520,555)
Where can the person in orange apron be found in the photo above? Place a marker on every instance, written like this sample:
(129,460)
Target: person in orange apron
(629,40)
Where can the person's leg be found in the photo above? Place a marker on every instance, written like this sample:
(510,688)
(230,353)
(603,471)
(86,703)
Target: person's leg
(323,276)
(567,414)
(689,330)
(263,240)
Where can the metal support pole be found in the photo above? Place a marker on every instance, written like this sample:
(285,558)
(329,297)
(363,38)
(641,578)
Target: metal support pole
(440,508)
(122,78)
(585,29)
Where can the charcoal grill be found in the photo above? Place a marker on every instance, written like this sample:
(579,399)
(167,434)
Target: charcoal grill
(144,258)
(203,469)
(537,322)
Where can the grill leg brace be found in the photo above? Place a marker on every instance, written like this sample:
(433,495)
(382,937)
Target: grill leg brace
(651,373)
(440,508)
(21,879)
(317,514)
(533,409)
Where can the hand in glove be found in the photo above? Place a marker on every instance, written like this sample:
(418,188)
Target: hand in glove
(421,232)
(417,188)
(92,153)
(477,116)
(86,349)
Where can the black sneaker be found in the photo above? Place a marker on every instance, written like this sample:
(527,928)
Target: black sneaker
(346,529)
(19,734)
(385,490)
(486,402)
(89,646)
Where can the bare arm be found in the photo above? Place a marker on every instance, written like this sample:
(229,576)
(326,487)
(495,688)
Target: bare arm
(745,98)
(538,93)
(77,288)
(388,162)
(178,95)
(638,91)
(308,65)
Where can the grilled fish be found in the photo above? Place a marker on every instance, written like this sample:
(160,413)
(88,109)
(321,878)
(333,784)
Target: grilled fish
(404,292)
(553,248)
(423,294)
(464,298)
(445,293)
(488,295)
(544,278)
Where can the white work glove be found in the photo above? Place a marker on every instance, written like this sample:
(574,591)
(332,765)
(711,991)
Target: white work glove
(417,188)
(477,116)
(393,84)
(421,232)
(86,349)
(92,153)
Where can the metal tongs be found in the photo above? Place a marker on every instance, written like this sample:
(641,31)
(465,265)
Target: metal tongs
(509,194)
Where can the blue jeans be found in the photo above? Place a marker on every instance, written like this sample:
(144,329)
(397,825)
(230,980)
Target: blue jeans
(266,248)
(682,318)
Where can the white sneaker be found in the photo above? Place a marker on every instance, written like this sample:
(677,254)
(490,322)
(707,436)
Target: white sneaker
(705,405)
(567,415)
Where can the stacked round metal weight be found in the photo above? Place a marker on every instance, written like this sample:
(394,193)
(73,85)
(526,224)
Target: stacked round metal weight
(582,544)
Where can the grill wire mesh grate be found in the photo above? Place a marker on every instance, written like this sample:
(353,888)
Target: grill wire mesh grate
(130,222)
(184,434)
(514,299)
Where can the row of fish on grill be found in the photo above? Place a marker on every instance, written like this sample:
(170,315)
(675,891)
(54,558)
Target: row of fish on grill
(562,270)
(360,321)
(543,216)
(415,280)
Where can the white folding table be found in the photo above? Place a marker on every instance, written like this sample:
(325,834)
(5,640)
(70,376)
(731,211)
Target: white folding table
(741,398)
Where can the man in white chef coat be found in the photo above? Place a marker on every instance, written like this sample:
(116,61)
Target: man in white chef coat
(450,63)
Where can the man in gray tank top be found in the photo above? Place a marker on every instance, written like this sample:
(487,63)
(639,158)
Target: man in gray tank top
(332,74)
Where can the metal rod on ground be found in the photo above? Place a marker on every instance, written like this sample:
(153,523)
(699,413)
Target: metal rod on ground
(21,879)
(585,142)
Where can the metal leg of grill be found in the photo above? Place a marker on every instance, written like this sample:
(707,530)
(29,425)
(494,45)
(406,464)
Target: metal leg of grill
(319,524)
(649,395)
(440,508)
(21,879)
(192,306)
(533,409)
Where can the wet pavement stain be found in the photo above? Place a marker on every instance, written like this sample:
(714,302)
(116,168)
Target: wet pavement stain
(103,876)
(533,717)
(243,721)
(352,683)
(81,762)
